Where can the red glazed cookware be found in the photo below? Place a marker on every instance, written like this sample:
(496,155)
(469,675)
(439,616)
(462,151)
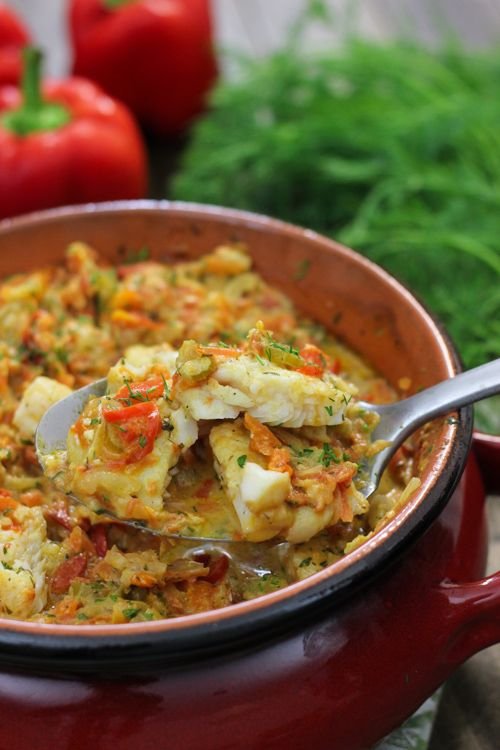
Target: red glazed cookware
(487,449)
(335,661)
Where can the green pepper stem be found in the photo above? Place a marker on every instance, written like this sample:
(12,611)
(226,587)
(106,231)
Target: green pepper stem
(31,81)
(112,4)
(34,115)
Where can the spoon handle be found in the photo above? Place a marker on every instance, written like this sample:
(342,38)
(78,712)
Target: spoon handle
(402,418)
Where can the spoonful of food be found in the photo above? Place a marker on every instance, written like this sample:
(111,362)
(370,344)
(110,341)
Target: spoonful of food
(237,444)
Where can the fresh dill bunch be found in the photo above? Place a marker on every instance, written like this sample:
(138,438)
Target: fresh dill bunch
(390,148)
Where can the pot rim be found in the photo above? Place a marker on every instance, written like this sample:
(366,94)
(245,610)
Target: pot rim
(217,627)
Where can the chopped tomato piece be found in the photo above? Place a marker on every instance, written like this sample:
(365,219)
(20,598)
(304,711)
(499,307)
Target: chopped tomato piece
(316,361)
(98,536)
(58,513)
(313,370)
(66,572)
(147,390)
(138,426)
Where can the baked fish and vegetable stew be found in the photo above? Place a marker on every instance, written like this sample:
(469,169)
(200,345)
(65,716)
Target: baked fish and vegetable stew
(227,414)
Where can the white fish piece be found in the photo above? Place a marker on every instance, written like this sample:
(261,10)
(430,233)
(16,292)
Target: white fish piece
(214,401)
(25,558)
(260,506)
(137,363)
(185,432)
(40,395)
(271,394)
(262,489)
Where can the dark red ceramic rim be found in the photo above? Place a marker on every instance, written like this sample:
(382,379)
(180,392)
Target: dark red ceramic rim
(109,649)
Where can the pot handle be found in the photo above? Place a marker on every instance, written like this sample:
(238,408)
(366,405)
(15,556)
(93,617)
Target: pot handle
(470,611)
(476,624)
(487,450)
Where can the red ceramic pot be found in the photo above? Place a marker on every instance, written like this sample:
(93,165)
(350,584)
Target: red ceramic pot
(487,448)
(335,661)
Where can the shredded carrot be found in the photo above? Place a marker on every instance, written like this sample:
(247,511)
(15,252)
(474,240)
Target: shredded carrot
(219,351)
(137,509)
(280,461)
(78,428)
(67,608)
(345,512)
(262,439)
(126,319)
(7,502)
(128,299)
(31,498)
(144,580)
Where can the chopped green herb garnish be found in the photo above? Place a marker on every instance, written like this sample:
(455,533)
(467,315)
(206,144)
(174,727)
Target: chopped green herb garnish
(328,456)
(329,410)
(135,394)
(241,460)
(142,441)
(62,355)
(166,389)
(130,613)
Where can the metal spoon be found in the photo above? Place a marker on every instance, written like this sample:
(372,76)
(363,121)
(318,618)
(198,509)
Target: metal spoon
(402,418)
(397,421)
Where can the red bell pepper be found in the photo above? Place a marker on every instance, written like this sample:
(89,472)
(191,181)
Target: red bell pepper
(156,56)
(71,144)
(13,37)
(138,425)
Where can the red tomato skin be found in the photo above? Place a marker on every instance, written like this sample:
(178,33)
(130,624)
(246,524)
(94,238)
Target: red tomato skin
(99,539)
(66,572)
(140,423)
(149,389)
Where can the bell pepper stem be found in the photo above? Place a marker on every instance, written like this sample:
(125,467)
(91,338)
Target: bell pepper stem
(31,80)
(112,4)
(35,114)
